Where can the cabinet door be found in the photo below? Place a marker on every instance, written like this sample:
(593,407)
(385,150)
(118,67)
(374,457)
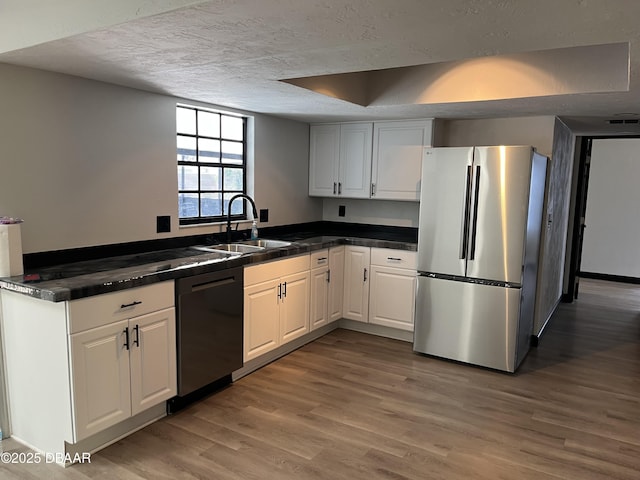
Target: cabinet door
(294,306)
(261,318)
(100,372)
(393,296)
(324,148)
(397,158)
(354,179)
(356,283)
(153,359)
(318,315)
(336,283)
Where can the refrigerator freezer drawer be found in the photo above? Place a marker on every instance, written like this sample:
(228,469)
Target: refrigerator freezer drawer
(468,322)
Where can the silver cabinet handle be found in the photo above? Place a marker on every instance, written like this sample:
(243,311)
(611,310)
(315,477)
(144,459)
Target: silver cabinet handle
(334,187)
(339,188)
(373,189)
(394,259)
(365,275)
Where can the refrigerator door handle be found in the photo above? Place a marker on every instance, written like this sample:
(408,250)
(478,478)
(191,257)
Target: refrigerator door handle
(464,235)
(474,229)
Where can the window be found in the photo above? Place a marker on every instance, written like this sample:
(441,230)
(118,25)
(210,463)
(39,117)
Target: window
(211,149)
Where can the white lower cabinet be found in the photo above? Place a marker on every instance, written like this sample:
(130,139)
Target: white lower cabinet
(336,283)
(153,360)
(261,317)
(113,379)
(294,306)
(393,288)
(380,286)
(92,370)
(355,304)
(101,379)
(276,304)
(327,286)
(121,369)
(319,300)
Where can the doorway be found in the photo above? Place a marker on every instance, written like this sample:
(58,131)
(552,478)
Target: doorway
(611,250)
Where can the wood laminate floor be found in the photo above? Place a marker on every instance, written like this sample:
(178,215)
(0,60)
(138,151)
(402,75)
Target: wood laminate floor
(354,406)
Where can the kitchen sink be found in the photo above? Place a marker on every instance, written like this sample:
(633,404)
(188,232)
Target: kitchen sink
(242,247)
(233,248)
(264,243)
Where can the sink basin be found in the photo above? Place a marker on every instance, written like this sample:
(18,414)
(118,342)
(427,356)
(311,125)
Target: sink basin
(234,248)
(246,246)
(264,243)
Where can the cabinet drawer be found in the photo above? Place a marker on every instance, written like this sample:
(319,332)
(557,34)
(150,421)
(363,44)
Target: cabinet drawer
(264,272)
(320,258)
(394,258)
(101,310)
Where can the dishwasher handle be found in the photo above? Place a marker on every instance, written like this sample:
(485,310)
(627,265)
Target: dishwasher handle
(216,283)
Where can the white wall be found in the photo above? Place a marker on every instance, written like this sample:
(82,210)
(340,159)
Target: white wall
(378,212)
(87,163)
(612,235)
(536,131)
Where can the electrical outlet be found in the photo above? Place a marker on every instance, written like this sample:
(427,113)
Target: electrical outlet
(163,223)
(264,215)
(341,210)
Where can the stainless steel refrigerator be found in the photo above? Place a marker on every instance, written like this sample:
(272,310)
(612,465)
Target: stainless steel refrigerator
(478,243)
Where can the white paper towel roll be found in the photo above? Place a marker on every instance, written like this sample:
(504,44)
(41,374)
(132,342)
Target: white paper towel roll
(10,250)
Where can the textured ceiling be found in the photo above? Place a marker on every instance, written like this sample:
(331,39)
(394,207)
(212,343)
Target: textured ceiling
(234,53)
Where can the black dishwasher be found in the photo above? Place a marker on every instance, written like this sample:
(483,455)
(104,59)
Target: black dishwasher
(209,332)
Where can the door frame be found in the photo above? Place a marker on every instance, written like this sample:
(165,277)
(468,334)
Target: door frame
(581,171)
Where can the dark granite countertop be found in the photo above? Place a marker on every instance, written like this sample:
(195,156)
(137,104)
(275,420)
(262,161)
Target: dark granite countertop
(93,277)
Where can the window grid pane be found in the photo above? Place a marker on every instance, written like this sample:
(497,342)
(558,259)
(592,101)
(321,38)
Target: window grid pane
(211,150)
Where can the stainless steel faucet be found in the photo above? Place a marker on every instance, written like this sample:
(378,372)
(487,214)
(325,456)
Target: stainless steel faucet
(253,206)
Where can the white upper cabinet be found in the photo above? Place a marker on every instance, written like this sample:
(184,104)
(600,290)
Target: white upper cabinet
(355,160)
(381,160)
(397,158)
(324,158)
(340,160)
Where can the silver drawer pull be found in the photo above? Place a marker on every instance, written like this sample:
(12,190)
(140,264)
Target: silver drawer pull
(394,259)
